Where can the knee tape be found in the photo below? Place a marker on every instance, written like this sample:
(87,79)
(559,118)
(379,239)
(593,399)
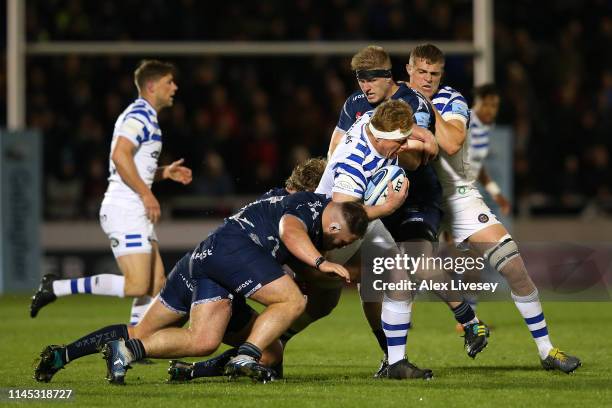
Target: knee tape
(502,253)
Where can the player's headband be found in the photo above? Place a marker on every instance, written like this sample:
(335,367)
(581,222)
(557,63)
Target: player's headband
(397,134)
(373,73)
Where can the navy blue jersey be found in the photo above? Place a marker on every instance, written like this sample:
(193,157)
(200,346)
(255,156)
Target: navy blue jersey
(278,191)
(357,104)
(260,220)
(425,189)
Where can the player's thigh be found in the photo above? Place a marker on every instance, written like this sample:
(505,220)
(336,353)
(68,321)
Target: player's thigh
(234,261)
(208,322)
(136,270)
(280,290)
(157,317)
(159,276)
(128,230)
(466,216)
(130,234)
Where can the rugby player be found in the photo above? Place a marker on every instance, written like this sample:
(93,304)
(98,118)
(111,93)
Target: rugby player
(482,119)
(241,259)
(129,209)
(417,222)
(468,218)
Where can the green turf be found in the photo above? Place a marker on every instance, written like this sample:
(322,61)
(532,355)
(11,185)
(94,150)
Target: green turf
(332,362)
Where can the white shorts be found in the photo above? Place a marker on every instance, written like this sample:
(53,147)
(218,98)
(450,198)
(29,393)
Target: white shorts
(129,230)
(376,232)
(466,214)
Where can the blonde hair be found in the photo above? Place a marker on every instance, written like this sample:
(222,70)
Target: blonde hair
(306,176)
(391,115)
(371,57)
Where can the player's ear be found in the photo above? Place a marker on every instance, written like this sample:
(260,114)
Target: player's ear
(334,227)
(409,69)
(150,86)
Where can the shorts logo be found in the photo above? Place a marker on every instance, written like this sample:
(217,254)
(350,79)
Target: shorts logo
(484,218)
(114,242)
(243,285)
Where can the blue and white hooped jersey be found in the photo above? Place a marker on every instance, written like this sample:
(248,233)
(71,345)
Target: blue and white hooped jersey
(479,145)
(353,162)
(260,220)
(453,171)
(138,123)
(424,186)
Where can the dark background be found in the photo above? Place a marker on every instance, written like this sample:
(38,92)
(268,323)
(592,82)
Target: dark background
(242,122)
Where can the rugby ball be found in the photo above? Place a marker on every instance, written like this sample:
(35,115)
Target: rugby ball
(376,191)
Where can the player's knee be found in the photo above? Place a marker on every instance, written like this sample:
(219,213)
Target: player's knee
(205,346)
(296,305)
(502,253)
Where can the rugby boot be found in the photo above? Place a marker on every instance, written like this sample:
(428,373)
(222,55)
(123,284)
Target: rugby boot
(50,363)
(118,359)
(246,366)
(475,338)
(44,295)
(180,371)
(384,363)
(559,360)
(404,369)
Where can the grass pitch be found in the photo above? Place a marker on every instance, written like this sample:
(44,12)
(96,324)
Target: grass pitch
(332,362)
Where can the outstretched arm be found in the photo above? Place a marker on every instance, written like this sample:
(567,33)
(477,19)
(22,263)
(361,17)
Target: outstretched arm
(175,171)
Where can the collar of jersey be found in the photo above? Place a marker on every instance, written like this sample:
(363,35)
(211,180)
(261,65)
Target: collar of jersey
(146,103)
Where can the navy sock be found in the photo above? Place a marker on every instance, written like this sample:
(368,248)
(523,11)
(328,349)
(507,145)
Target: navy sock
(250,350)
(137,349)
(91,343)
(381,338)
(464,313)
(213,367)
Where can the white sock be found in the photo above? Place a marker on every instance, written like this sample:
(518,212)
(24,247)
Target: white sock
(139,306)
(531,310)
(105,284)
(395,318)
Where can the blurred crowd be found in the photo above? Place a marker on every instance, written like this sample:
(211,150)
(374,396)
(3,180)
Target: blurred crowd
(241,123)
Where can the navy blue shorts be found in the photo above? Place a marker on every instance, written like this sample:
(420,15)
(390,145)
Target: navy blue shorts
(232,260)
(414,221)
(181,292)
